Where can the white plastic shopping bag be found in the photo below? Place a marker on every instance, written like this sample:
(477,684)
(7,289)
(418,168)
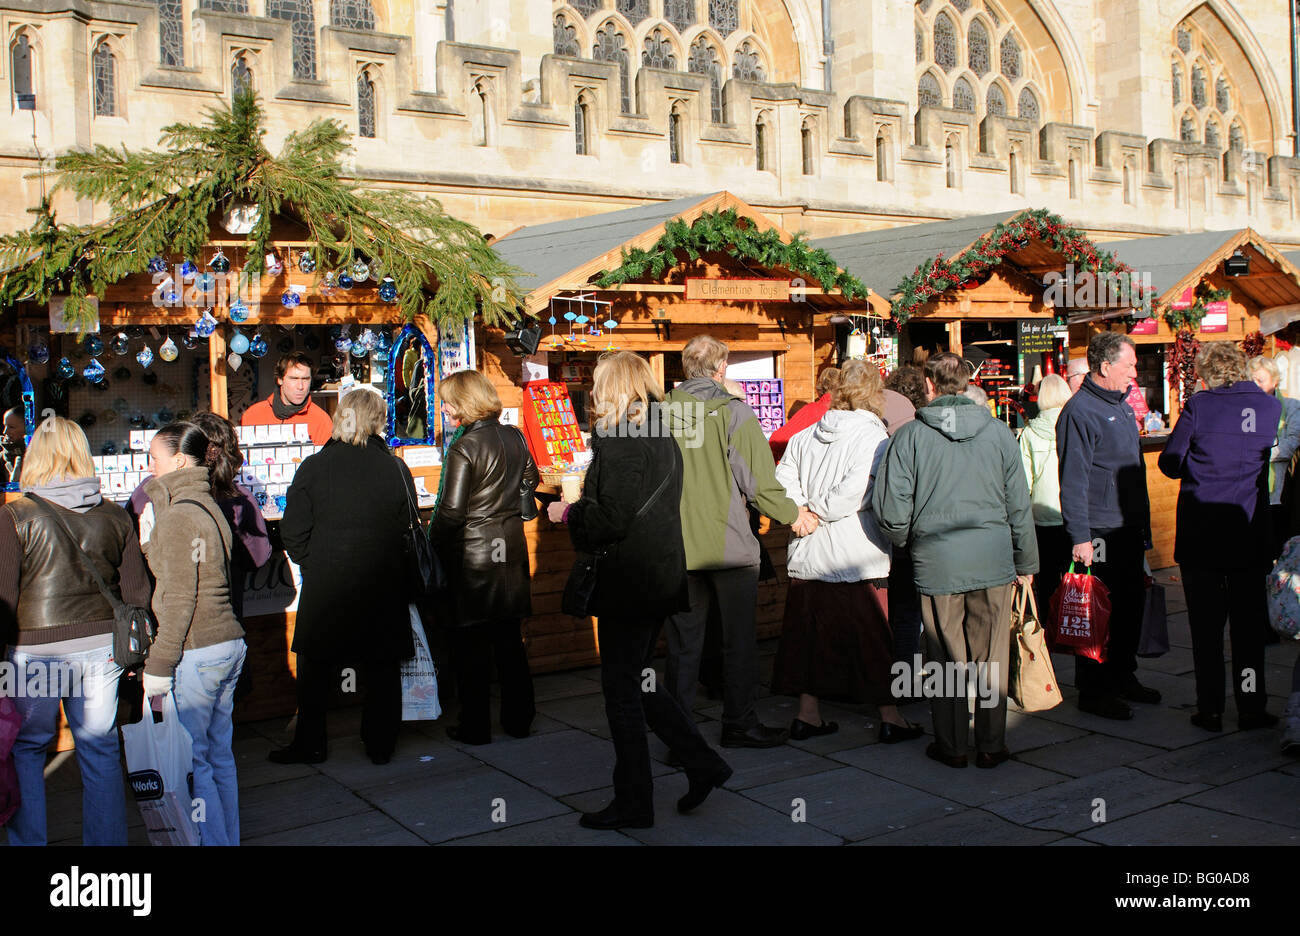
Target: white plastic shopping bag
(419,678)
(160,768)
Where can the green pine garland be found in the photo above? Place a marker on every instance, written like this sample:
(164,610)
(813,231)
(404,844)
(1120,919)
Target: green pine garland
(1190,318)
(726,232)
(162,202)
(937,275)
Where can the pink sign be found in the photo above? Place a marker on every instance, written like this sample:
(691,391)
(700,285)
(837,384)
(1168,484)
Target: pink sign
(1185,301)
(1216,317)
(1145,327)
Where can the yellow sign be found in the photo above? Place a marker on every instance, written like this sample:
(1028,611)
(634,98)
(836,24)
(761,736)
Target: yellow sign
(737,290)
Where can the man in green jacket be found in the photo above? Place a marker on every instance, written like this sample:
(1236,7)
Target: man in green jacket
(727,464)
(952,487)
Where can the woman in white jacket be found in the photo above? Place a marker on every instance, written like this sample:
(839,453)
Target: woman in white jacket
(836,643)
(1038,455)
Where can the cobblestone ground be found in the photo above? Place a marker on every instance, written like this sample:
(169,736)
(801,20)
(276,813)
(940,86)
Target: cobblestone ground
(1164,781)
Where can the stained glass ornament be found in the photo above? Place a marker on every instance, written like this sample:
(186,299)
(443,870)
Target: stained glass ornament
(205,324)
(93,345)
(388,290)
(360,271)
(38,352)
(273,265)
(239,342)
(93,372)
(238,310)
(157,265)
(359,350)
(65,369)
(306,262)
(219,263)
(290,299)
(327,287)
(258,346)
(383,341)
(260,497)
(188,268)
(190,340)
(145,357)
(168,350)
(281,501)
(343,343)
(345,281)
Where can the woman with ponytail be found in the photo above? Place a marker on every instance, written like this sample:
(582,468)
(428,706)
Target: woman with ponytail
(199,650)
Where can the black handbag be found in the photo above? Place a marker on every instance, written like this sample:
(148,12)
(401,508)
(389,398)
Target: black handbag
(424,572)
(527,502)
(134,628)
(582,580)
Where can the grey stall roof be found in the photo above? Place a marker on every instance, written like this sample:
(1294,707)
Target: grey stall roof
(547,251)
(881,259)
(1169,258)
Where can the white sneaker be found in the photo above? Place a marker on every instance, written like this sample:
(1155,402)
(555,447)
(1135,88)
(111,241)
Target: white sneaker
(1291,725)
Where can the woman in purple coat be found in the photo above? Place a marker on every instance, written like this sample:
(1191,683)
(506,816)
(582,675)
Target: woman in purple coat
(1220,449)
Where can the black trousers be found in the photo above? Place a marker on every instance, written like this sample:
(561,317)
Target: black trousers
(473,647)
(1122,574)
(735,592)
(1239,598)
(633,699)
(904,606)
(381,705)
(1053,559)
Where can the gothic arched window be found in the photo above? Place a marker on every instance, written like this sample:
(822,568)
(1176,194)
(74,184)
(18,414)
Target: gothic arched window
(1198,86)
(302,33)
(1187,129)
(104,67)
(585,7)
(681,13)
(995,102)
(724,16)
(1184,38)
(746,65)
(1010,57)
(675,136)
(581,114)
(963,96)
(882,157)
(760,145)
(977,49)
(634,10)
(564,38)
(1027,106)
(171,32)
(945,42)
(1176,76)
(920,45)
(1212,136)
(241,77)
(352,14)
(365,105)
(927,91)
(658,51)
(1236,138)
(806,147)
(703,60)
(612,47)
(1222,96)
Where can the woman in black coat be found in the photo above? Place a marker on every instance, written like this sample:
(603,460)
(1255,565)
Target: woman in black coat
(344,523)
(484,495)
(630,510)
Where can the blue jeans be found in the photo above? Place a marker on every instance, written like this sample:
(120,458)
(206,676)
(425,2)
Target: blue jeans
(205,696)
(86,683)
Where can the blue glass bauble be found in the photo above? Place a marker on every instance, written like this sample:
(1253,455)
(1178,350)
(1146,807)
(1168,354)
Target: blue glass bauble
(343,343)
(290,299)
(206,282)
(38,352)
(388,290)
(258,346)
(383,341)
(306,262)
(145,357)
(205,324)
(219,263)
(189,340)
(93,345)
(94,371)
(119,344)
(345,281)
(188,268)
(238,310)
(239,342)
(260,497)
(65,369)
(360,272)
(157,265)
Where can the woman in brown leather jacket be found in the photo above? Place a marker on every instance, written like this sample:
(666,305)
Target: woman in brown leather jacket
(485,494)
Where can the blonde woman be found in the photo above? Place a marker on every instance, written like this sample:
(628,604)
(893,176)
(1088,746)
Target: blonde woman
(1042,472)
(630,512)
(344,524)
(65,625)
(836,642)
(1264,371)
(484,496)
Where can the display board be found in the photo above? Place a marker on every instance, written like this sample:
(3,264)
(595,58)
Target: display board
(550,425)
(767,399)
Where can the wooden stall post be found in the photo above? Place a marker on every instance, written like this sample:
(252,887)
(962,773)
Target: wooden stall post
(217,392)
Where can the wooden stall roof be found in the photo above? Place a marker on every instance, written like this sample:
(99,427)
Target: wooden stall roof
(1179,261)
(562,256)
(882,259)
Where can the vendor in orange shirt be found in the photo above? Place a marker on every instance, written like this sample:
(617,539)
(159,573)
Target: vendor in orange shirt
(291,401)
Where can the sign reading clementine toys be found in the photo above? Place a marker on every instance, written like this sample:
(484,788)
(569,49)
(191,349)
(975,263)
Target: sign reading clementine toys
(737,290)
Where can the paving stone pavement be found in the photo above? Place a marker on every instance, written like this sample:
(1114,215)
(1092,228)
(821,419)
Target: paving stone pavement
(1073,779)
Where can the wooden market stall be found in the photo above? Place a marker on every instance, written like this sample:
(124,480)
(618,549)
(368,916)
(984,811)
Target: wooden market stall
(707,264)
(1215,285)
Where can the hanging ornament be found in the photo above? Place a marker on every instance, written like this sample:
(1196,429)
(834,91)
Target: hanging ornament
(273,265)
(94,371)
(345,281)
(93,345)
(360,271)
(168,350)
(38,352)
(65,369)
(169,294)
(258,347)
(367,339)
(219,263)
(239,342)
(190,340)
(238,310)
(188,268)
(343,342)
(306,262)
(383,341)
(234,361)
(359,349)
(327,287)
(206,282)
(205,324)
(290,299)
(145,357)
(119,344)
(157,265)
(388,290)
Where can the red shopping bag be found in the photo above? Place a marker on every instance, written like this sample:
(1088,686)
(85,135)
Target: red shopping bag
(1081,615)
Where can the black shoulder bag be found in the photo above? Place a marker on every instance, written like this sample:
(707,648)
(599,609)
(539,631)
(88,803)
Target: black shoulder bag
(134,628)
(582,580)
(424,572)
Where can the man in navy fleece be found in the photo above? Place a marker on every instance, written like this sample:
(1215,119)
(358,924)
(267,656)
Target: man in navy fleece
(1107,517)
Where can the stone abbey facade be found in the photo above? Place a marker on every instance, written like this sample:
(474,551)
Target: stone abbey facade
(1124,116)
